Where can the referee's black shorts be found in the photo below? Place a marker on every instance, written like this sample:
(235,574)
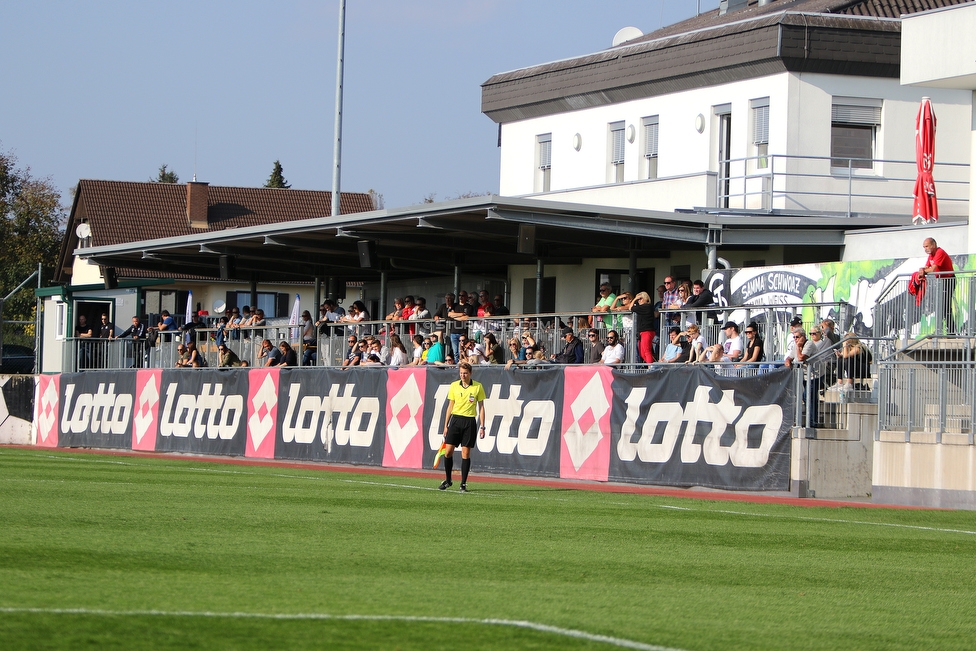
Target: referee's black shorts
(462,431)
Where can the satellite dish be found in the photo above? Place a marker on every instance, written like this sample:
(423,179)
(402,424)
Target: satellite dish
(626,34)
(219,306)
(83,231)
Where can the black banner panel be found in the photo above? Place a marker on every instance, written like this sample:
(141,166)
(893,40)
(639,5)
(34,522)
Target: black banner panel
(96,409)
(522,410)
(686,426)
(332,415)
(203,411)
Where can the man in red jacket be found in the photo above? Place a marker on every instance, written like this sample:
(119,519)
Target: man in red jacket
(940,263)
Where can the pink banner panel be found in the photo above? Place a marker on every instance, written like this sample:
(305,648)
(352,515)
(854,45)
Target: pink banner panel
(145,417)
(584,451)
(262,412)
(46,410)
(404,418)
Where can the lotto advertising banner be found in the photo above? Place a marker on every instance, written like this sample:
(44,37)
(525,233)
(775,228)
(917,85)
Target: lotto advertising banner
(96,409)
(521,430)
(679,426)
(331,415)
(685,426)
(202,411)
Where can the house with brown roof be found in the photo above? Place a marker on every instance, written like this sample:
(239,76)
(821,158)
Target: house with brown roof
(107,213)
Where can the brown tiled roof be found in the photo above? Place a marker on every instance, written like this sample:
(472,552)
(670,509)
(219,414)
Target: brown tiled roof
(711,49)
(119,212)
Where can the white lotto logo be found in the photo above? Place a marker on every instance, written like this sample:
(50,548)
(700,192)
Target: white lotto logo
(209,415)
(102,412)
(309,416)
(515,419)
(720,415)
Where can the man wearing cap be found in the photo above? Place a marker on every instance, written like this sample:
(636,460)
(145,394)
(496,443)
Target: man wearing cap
(732,348)
(572,350)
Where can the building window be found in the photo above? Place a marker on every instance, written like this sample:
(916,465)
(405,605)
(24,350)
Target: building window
(544,169)
(60,319)
(854,123)
(617,139)
(760,131)
(650,146)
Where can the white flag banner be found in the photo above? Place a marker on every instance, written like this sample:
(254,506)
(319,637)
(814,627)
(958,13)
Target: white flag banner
(189,316)
(296,312)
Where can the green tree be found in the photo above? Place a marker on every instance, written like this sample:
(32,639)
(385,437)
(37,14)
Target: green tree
(165,176)
(277,179)
(31,227)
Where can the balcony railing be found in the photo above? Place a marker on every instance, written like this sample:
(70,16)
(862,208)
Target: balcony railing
(827,185)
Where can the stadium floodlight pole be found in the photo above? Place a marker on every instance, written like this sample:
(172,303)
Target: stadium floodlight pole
(337,151)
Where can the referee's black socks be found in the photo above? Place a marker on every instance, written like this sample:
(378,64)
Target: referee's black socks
(465,467)
(448,465)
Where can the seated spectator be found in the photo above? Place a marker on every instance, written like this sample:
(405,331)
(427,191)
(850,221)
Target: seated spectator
(420,346)
(376,350)
(673,350)
(732,348)
(855,364)
(754,344)
(398,352)
(195,359)
(493,351)
(182,356)
(288,355)
(436,353)
(538,359)
(271,355)
(515,350)
(572,352)
(614,352)
(595,356)
(697,341)
(228,357)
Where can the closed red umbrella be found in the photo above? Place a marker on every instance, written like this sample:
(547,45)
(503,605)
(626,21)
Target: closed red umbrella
(926,207)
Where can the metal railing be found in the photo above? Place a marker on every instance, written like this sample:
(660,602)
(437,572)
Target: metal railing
(945,310)
(773,321)
(825,184)
(935,397)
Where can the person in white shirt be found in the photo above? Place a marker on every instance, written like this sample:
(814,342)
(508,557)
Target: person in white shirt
(398,354)
(614,352)
(732,348)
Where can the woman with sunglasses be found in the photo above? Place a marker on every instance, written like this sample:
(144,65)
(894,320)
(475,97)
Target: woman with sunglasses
(644,312)
(754,344)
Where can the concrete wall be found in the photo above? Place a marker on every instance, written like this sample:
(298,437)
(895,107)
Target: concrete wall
(834,464)
(922,472)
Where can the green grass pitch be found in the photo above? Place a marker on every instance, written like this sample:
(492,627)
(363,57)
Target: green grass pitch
(116,552)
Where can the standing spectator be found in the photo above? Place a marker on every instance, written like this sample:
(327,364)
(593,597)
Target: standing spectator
(435,354)
(607,297)
(802,351)
(137,331)
(460,314)
(595,356)
(700,297)
(644,311)
(309,340)
(940,263)
(107,330)
(500,308)
(190,327)
(659,305)
(233,323)
(421,314)
(84,331)
(670,298)
(220,335)
(613,352)
(572,352)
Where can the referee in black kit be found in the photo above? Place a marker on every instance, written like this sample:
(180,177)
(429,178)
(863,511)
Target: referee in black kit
(465,421)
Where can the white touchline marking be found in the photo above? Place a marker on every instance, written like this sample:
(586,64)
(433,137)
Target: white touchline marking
(496,495)
(543,628)
(835,520)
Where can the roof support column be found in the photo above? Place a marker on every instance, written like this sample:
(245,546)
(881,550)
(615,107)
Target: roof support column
(712,252)
(254,292)
(539,270)
(457,282)
(382,306)
(318,296)
(632,273)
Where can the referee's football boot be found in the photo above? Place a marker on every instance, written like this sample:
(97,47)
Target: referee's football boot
(464,488)
(447,483)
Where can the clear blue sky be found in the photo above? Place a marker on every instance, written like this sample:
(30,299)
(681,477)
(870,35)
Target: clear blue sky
(112,90)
